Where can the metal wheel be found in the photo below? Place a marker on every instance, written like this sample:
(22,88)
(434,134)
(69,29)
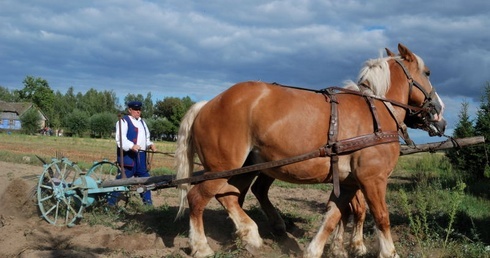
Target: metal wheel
(103,170)
(60,193)
(99,172)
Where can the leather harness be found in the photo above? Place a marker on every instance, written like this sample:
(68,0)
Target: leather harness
(334,147)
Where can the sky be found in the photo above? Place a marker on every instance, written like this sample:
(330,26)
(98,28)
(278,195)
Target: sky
(181,48)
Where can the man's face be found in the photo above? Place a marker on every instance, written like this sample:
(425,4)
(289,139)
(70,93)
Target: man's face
(136,113)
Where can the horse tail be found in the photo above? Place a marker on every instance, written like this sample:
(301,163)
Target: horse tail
(184,155)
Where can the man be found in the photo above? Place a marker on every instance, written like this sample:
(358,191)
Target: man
(135,140)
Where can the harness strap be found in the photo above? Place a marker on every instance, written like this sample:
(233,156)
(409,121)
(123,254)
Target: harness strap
(332,140)
(335,147)
(402,127)
(374,112)
(363,141)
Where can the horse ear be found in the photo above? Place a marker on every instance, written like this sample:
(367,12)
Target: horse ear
(389,53)
(405,53)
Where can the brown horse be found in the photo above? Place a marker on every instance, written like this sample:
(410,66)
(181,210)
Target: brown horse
(356,133)
(356,209)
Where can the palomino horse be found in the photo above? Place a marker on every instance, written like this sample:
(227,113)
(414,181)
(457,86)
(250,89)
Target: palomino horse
(357,207)
(356,133)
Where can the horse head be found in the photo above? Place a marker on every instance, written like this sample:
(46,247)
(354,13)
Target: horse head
(428,108)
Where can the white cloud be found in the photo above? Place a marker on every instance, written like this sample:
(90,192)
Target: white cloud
(199,48)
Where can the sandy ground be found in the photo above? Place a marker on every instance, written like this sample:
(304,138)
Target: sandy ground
(23,233)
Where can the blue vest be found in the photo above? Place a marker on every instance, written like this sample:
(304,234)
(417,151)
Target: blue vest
(129,157)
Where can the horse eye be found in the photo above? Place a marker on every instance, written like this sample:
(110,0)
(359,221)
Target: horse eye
(427,73)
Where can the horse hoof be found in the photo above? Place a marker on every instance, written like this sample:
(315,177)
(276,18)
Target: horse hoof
(207,252)
(279,231)
(254,247)
(359,251)
(339,253)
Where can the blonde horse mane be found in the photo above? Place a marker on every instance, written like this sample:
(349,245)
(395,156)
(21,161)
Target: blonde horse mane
(376,73)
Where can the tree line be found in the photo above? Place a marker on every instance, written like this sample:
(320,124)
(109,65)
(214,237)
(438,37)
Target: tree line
(94,112)
(473,162)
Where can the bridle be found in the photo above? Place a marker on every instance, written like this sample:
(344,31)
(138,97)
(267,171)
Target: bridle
(427,104)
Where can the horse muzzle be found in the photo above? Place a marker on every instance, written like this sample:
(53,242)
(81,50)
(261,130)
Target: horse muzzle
(437,128)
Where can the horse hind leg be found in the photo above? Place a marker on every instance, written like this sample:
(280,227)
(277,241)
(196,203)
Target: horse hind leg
(246,228)
(199,196)
(197,238)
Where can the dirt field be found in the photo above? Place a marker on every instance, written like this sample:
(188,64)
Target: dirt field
(24,234)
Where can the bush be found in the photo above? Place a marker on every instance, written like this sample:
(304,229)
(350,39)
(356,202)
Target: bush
(102,124)
(77,122)
(30,121)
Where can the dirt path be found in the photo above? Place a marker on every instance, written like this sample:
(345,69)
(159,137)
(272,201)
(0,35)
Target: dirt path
(24,234)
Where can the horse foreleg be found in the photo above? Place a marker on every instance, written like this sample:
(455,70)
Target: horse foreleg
(337,246)
(246,228)
(375,192)
(335,207)
(242,183)
(260,189)
(358,206)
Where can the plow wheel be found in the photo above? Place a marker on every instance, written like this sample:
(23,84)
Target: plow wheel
(103,170)
(100,172)
(60,193)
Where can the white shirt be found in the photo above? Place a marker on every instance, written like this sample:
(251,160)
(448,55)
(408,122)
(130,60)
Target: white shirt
(143,134)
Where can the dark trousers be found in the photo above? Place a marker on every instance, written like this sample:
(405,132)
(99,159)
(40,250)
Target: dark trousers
(138,170)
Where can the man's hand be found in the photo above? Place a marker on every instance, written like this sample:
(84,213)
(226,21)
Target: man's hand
(153,148)
(136,148)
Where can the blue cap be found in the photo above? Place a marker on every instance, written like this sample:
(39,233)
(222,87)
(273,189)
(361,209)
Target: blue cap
(135,105)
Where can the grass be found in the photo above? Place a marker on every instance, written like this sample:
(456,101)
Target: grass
(433,212)
(19,148)
(441,213)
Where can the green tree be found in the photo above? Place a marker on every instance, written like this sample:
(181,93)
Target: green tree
(30,121)
(94,102)
(174,110)
(160,128)
(148,106)
(132,97)
(37,91)
(459,157)
(482,127)
(102,124)
(77,122)
(6,95)
(164,108)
